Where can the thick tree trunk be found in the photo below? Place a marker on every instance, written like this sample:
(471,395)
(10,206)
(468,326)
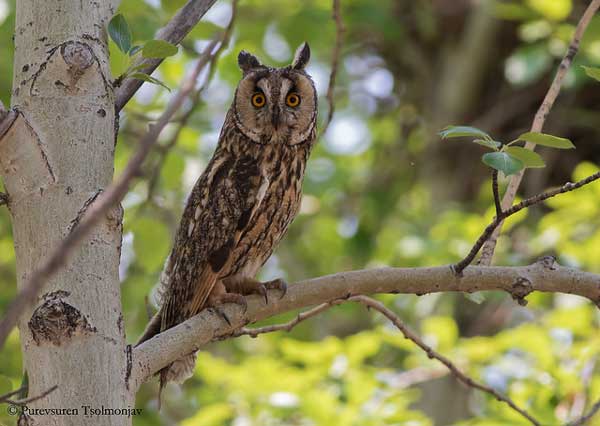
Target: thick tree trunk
(55,158)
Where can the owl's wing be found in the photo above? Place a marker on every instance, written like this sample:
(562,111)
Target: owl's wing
(220,207)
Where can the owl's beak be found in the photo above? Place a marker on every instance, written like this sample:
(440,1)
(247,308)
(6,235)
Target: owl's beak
(275,117)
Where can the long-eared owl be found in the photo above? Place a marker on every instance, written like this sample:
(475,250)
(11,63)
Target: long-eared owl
(242,204)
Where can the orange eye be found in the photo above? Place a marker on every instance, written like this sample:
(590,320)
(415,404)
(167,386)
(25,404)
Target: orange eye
(258,100)
(292,100)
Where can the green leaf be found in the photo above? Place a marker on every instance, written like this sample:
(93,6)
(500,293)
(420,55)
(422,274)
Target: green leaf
(495,145)
(592,72)
(149,79)
(158,49)
(547,140)
(503,162)
(134,50)
(119,32)
(460,131)
(528,157)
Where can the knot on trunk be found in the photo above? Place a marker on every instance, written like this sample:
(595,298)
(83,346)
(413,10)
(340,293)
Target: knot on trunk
(77,56)
(56,321)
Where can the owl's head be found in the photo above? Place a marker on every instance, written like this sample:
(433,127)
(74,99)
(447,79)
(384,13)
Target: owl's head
(276,105)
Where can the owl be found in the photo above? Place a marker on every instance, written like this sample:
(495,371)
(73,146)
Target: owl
(243,203)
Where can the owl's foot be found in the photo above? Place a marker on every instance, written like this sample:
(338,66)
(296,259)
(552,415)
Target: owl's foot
(247,285)
(277,284)
(215,303)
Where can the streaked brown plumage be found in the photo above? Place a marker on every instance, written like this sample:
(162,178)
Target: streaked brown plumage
(243,203)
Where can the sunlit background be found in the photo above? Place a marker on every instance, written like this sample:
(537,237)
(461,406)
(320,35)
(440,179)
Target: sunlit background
(381,189)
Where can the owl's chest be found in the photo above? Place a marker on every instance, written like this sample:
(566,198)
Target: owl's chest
(277,210)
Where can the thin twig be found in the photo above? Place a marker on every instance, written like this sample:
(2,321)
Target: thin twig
(174,32)
(6,398)
(536,199)
(96,210)
(340,29)
(432,354)
(195,97)
(302,316)
(586,418)
(540,119)
(496,192)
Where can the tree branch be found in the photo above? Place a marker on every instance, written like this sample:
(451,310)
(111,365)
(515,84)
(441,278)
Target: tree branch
(100,207)
(174,32)
(340,29)
(196,98)
(496,192)
(302,316)
(536,199)
(540,119)
(5,399)
(189,336)
(586,418)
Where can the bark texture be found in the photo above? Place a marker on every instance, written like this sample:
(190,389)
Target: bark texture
(55,158)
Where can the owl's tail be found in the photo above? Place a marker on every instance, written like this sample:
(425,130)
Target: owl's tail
(178,371)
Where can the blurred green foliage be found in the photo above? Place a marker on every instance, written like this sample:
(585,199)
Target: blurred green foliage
(381,189)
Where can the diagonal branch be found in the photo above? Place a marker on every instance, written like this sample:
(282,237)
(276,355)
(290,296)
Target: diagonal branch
(462,377)
(195,98)
(189,336)
(587,417)
(174,32)
(6,398)
(536,199)
(98,209)
(302,316)
(496,192)
(540,119)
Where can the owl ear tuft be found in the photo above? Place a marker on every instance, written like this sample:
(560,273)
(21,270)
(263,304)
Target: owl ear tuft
(301,57)
(247,61)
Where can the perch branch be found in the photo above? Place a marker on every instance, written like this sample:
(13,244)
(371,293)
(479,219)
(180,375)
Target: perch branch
(98,209)
(174,32)
(540,119)
(536,199)
(340,29)
(189,336)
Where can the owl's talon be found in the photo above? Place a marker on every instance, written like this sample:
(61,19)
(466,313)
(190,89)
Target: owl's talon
(263,290)
(277,284)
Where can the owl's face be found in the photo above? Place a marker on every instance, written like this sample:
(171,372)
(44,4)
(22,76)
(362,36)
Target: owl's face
(276,105)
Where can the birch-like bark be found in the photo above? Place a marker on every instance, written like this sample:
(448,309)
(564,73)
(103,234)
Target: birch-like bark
(55,159)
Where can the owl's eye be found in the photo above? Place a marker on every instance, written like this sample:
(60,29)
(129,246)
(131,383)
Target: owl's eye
(258,100)
(293,100)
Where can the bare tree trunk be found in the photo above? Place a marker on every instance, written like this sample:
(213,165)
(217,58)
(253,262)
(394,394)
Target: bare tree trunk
(55,158)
